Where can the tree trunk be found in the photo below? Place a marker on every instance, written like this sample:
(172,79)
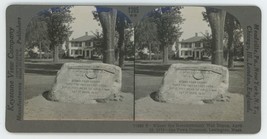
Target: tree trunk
(230,32)
(150,57)
(165,54)
(40,50)
(216,19)
(231,56)
(121,46)
(55,54)
(108,22)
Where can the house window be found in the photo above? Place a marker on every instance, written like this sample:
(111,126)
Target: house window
(183,45)
(186,53)
(197,44)
(87,43)
(76,52)
(76,44)
(189,45)
(186,45)
(72,52)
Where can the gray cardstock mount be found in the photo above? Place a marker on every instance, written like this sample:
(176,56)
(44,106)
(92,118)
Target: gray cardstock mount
(247,15)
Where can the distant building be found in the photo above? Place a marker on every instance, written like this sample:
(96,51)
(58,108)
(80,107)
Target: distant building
(81,47)
(191,48)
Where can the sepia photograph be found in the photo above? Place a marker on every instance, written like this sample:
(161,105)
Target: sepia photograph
(189,65)
(178,63)
(79,65)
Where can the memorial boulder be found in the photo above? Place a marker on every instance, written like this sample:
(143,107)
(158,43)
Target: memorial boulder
(86,83)
(193,83)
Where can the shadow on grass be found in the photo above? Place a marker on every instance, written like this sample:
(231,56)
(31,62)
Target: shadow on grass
(43,66)
(46,95)
(43,69)
(236,69)
(42,72)
(155,97)
(239,65)
(52,69)
(152,70)
(148,62)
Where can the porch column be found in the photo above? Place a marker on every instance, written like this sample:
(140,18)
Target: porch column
(90,56)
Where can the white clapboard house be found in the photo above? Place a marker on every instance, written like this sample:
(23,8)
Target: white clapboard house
(81,47)
(191,48)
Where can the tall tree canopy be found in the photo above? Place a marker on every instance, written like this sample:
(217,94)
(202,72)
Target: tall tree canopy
(36,35)
(168,21)
(58,21)
(145,36)
(122,23)
(232,25)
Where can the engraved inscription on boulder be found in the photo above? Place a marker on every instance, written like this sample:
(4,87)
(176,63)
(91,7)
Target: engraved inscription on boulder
(193,84)
(86,83)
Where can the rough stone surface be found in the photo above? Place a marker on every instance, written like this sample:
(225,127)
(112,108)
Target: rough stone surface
(193,83)
(86,83)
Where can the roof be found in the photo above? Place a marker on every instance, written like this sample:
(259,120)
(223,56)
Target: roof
(83,38)
(193,39)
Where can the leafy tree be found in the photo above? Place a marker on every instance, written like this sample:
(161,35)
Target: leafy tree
(145,35)
(232,26)
(58,21)
(238,43)
(122,23)
(168,21)
(36,35)
(207,40)
(129,44)
(98,42)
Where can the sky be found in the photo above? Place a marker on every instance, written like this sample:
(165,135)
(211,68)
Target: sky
(84,21)
(193,22)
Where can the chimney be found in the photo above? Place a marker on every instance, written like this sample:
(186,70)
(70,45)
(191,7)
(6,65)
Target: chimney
(86,33)
(196,34)
(207,33)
